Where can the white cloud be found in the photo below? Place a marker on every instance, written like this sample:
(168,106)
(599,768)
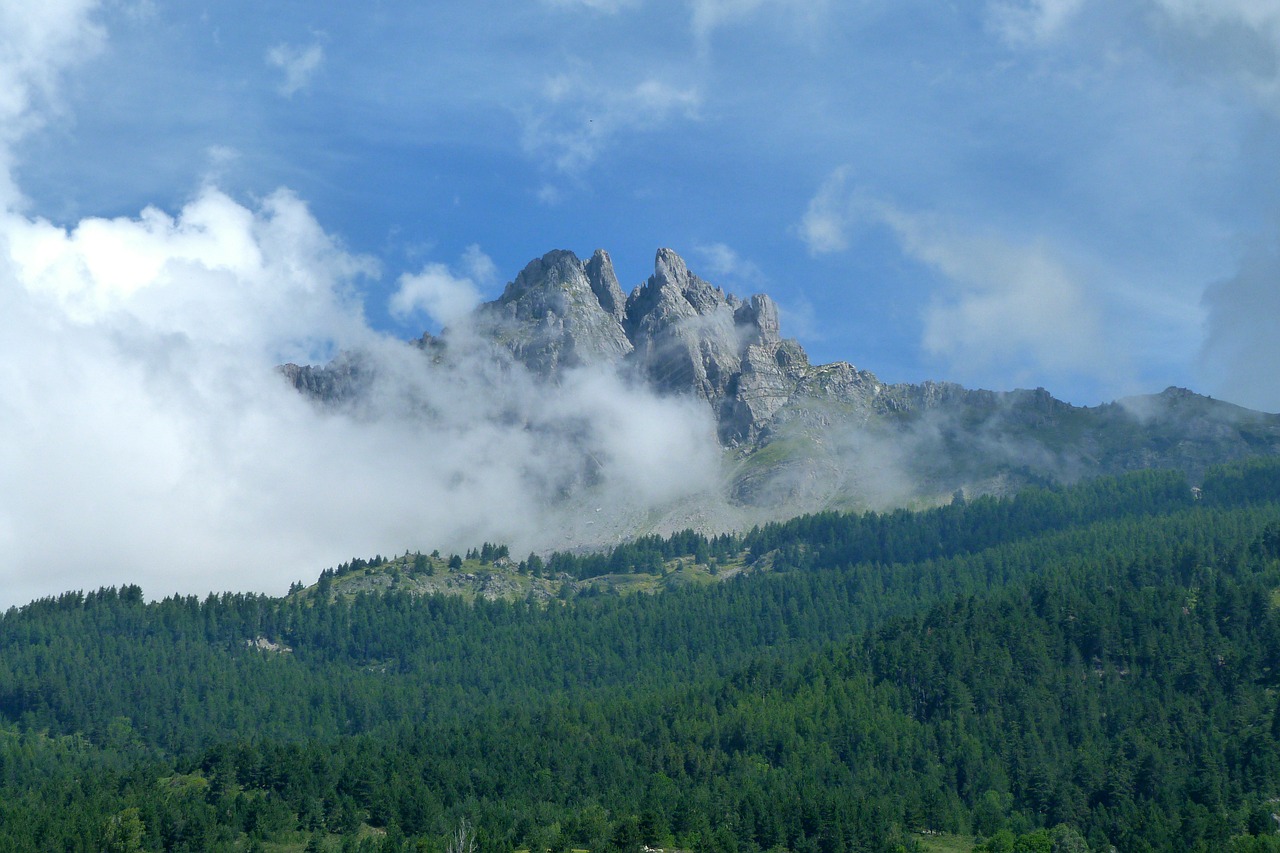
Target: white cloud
(825,224)
(298,63)
(578,118)
(440,294)
(146,435)
(38,42)
(152,440)
(479,266)
(269,280)
(721,260)
(1012,311)
(142,413)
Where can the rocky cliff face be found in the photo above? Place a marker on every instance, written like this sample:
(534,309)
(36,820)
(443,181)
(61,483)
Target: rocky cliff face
(812,436)
(689,336)
(677,332)
(559,313)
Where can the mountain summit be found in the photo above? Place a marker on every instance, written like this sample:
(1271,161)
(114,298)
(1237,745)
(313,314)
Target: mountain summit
(798,436)
(677,331)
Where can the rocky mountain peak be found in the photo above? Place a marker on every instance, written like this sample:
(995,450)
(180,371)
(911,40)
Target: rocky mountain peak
(760,312)
(810,436)
(677,331)
(689,336)
(670,270)
(672,276)
(683,330)
(547,276)
(559,313)
(604,284)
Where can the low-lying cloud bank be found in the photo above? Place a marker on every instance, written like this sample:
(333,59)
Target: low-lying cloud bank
(148,437)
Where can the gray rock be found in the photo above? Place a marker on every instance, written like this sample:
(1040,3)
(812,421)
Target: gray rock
(683,331)
(557,315)
(339,381)
(604,284)
(689,336)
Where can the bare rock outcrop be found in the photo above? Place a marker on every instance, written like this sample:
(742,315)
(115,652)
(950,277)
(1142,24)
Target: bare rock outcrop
(559,313)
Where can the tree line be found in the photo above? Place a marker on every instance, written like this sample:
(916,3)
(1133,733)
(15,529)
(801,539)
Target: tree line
(1065,669)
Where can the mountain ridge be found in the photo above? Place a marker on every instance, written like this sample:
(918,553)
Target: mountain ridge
(801,437)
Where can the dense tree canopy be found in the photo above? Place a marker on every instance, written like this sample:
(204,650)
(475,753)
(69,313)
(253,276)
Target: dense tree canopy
(1065,669)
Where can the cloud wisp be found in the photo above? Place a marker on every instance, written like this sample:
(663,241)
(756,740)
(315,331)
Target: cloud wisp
(1008,311)
(440,295)
(577,118)
(831,213)
(1031,23)
(298,64)
(723,261)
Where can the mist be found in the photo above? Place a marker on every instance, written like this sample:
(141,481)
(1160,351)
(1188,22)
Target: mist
(148,436)
(1240,348)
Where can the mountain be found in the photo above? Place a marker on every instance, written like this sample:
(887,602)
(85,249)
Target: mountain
(679,333)
(798,436)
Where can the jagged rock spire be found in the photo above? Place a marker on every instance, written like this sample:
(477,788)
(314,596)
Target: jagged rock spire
(604,284)
(559,313)
(679,332)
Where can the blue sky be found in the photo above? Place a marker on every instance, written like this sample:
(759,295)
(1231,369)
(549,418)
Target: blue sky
(1073,194)
(1003,193)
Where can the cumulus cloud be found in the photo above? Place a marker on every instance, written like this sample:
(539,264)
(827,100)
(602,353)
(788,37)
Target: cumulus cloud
(578,118)
(1241,348)
(154,441)
(298,63)
(268,280)
(442,296)
(147,435)
(142,416)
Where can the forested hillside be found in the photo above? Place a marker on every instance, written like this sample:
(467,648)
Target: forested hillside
(1067,669)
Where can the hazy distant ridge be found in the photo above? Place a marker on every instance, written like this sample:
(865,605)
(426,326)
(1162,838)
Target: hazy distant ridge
(794,436)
